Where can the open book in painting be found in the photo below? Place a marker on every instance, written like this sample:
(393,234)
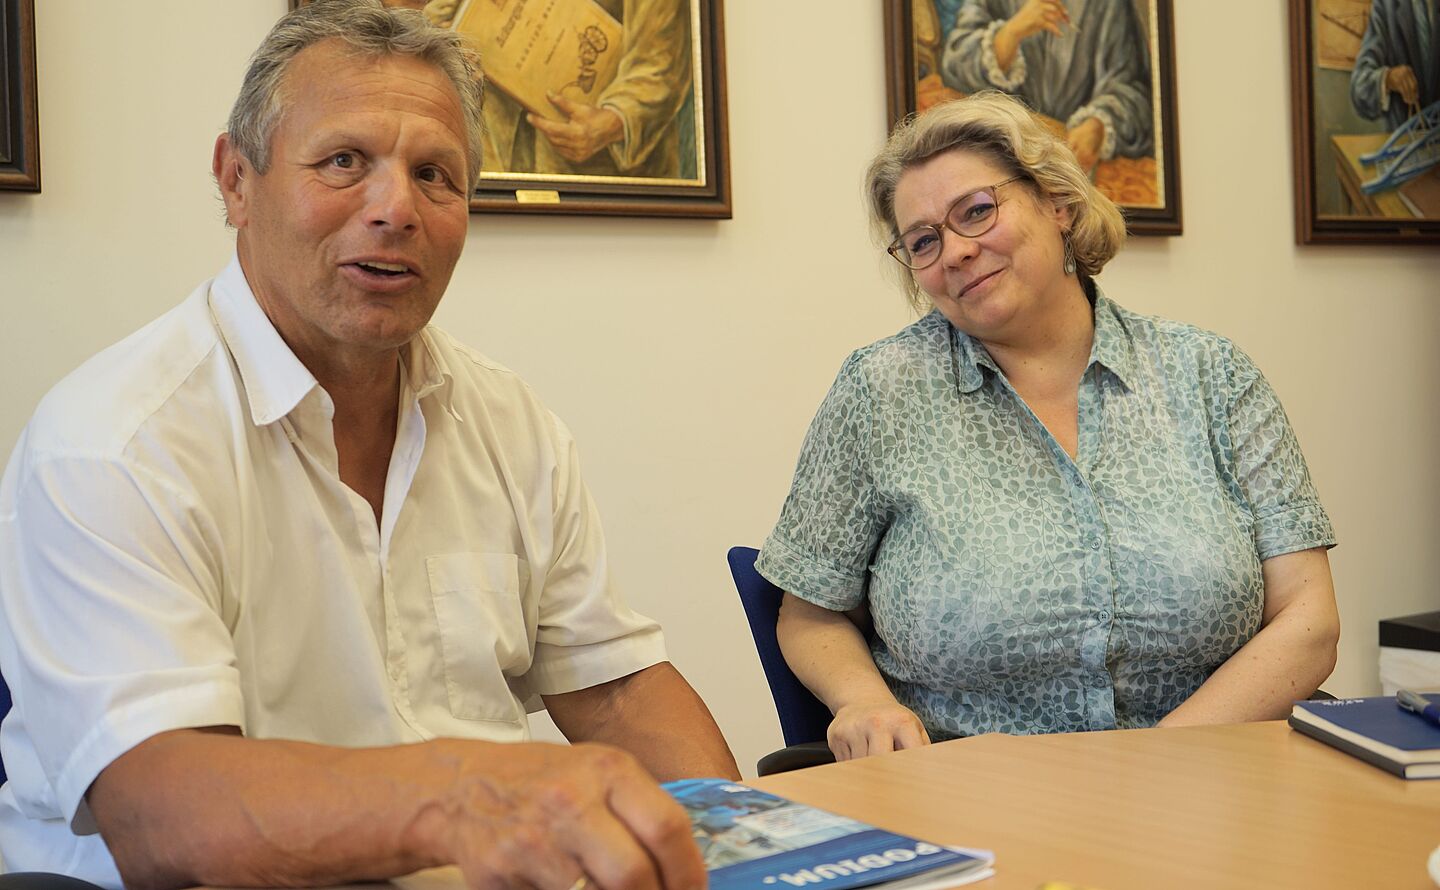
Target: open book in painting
(533,48)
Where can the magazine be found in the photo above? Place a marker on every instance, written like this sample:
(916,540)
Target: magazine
(752,840)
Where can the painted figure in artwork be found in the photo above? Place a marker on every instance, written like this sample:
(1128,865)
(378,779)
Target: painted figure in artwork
(638,124)
(1081,62)
(1397,71)
(1086,66)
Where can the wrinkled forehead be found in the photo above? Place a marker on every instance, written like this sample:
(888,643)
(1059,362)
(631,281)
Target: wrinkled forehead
(926,189)
(331,80)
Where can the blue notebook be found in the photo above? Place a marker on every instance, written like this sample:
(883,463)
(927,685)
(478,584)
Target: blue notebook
(1377,730)
(752,840)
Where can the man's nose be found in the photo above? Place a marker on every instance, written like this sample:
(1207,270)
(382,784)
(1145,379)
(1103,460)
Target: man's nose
(392,197)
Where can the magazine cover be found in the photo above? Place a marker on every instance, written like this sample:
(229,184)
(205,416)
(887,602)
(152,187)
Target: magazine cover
(754,841)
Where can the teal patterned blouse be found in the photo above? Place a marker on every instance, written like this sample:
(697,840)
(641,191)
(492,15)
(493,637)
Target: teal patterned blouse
(1013,589)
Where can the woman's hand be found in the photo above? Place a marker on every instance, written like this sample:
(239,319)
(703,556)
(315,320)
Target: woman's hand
(874,727)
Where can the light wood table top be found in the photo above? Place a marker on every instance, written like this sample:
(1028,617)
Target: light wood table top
(1251,805)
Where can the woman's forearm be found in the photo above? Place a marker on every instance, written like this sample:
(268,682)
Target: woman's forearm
(828,654)
(1287,660)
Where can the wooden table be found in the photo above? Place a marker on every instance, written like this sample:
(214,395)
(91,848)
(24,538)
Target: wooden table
(1252,805)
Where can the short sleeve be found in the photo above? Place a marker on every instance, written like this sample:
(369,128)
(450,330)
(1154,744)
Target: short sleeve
(111,605)
(1270,469)
(821,547)
(585,633)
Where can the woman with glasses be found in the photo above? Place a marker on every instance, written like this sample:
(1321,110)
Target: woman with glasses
(1032,510)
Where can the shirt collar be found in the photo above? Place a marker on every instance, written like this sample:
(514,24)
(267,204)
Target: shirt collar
(275,380)
(428,371)
(1111,349)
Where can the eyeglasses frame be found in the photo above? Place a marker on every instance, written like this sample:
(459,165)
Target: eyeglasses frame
(895,246)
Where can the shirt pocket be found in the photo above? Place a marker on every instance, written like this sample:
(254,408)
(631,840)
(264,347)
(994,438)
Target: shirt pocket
(483,635)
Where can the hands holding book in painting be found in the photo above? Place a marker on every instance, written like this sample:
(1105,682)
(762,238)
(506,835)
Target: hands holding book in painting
(586,130)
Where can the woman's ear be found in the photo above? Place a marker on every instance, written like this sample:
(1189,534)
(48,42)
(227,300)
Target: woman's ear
(1064,216)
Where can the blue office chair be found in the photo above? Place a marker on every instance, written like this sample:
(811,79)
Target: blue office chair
(4,710)
(803,719)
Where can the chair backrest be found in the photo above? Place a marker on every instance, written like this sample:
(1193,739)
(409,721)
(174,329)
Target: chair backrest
(803,718)
(4,710)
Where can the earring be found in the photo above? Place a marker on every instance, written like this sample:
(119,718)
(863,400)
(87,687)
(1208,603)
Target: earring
(1069,256)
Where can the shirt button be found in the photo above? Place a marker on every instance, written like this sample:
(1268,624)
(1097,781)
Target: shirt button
(1103,615)
(1094,543)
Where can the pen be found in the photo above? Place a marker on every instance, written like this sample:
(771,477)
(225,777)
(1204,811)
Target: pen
(1418,705)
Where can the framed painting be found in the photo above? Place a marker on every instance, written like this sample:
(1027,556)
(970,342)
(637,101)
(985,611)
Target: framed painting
(600,107)
(1101,73)
(1366,115)
(19,115)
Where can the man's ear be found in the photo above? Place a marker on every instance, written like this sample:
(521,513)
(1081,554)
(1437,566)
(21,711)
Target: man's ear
(233,174)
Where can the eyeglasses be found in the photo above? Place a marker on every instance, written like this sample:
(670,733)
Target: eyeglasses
(972,215)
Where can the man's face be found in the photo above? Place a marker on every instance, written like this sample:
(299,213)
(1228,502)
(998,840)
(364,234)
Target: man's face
(350,237)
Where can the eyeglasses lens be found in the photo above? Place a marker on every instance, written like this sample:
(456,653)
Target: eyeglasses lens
(971,216)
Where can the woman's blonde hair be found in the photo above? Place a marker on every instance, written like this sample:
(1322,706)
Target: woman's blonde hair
(1000,128)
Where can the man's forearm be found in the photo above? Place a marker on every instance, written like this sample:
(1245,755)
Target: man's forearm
(193,807)
(232,811)
(656,716)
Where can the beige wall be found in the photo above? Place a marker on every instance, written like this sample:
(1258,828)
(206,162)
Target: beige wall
(688,356)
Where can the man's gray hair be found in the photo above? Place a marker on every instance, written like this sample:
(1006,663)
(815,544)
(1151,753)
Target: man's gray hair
(370,29)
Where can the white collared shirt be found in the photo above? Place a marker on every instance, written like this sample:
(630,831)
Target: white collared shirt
(177,550)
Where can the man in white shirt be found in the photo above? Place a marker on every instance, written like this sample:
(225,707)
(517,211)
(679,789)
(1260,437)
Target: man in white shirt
(283,571)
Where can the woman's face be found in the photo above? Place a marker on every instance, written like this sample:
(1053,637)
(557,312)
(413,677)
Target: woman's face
(998,284)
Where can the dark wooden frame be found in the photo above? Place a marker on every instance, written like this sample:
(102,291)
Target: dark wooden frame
(1310,228)
(497,194)
(900,101)
(20,128)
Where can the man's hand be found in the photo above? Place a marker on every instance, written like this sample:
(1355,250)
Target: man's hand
(874,727)
(1401,79)
(1085,140)
(210,807)
(585,131)
(543,816)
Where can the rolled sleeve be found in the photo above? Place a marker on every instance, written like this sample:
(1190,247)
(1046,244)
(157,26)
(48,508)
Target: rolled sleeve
(1270,469)
(820,549)
(585,634)
(111,606)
